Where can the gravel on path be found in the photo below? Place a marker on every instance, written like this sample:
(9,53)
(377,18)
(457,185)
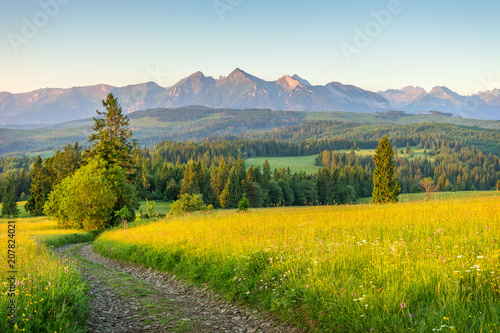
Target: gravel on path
(128,298)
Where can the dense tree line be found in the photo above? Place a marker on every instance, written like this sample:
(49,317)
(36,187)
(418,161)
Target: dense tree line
(46,175)
(159,173)
(16,172)
(225,184)
(455,169)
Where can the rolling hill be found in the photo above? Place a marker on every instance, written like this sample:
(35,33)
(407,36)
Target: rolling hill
(201,123)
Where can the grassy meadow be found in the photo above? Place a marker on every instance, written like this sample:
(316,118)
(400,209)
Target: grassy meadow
(417,153)
(306,163)
(50,293)
(415,266)
(160,207)
(296,163)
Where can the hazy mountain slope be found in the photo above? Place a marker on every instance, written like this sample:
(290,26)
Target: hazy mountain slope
(49,106)
(484,105)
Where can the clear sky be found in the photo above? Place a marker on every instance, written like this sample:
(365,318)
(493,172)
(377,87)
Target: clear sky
(85,42)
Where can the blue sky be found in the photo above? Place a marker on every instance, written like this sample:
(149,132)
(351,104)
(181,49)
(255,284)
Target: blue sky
(419,42)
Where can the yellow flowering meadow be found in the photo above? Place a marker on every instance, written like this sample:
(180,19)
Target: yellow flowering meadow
(49,292)
(418,266)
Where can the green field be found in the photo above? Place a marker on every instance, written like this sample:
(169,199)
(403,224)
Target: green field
(296,163)
(161,207)
(43,154)
(22,212)
(306,163)
(416,153)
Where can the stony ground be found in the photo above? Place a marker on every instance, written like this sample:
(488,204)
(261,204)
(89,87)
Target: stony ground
(129,298)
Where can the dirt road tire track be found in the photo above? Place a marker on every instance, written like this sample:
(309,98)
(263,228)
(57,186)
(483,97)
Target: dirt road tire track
(128,298)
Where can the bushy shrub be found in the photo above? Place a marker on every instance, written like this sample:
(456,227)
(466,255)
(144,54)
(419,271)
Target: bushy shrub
(189,203)
(244,204)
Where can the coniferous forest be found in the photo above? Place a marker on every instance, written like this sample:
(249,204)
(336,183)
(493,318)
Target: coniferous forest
(457,158)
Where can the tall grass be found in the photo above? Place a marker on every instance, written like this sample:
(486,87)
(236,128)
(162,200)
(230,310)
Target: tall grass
(392,268)
(50,293)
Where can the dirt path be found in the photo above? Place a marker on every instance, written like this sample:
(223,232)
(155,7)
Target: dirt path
(130,298)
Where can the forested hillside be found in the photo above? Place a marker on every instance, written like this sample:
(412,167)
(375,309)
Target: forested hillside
(198,123)
(456,157)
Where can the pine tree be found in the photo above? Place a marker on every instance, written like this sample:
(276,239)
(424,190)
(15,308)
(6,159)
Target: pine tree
(111,144)
(9,203)
(266,174)
(39,189)
(112,138)
(441,182)
(385,185)
(234,191)
(323,185)
(190,184)
(63,164)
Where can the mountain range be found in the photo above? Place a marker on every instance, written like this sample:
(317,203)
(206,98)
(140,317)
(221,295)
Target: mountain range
(240,90)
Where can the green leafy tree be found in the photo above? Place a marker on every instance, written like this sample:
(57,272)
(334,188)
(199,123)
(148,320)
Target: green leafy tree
(124,215)
(288,196)
(84,200)
(9,203)
(172,190)
(244,204)
(385,184)
(124,192)
(39,189)
(111,140)
(275,193)
(309,191)
(498,185)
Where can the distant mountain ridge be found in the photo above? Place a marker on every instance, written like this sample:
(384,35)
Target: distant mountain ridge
(483,105)
(240,90)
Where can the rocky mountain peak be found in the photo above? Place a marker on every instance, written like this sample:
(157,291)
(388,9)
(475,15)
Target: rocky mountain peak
(288,83)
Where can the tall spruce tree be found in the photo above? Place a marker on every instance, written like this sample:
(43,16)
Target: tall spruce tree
(9,203)
(111,140)
(266,175)
(232,193)
(39,189)
(385,184)
(111,144)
